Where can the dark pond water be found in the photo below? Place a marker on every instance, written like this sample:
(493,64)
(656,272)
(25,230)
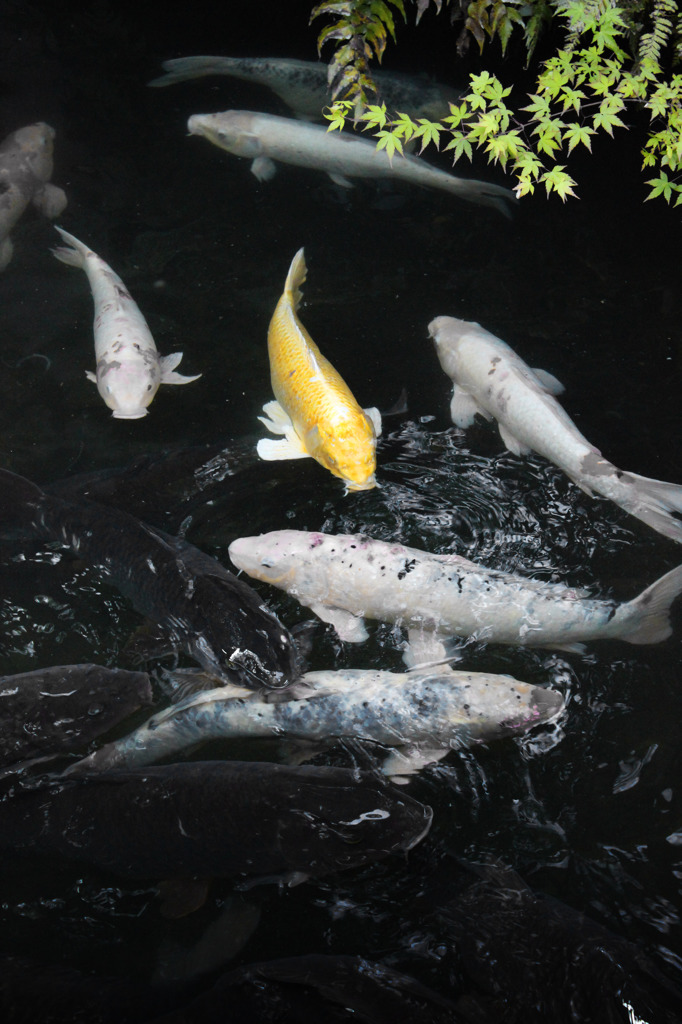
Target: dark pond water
(588,812)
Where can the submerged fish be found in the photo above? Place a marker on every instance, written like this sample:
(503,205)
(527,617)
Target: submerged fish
(129,368)
(314,407)
(25,172)
(424,714)
(196,603)
(211,819)
(345,578)
(303,84)
(265,138)
(490,379)
(64,708)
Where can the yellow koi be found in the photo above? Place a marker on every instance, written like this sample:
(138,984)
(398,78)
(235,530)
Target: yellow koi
(314,408)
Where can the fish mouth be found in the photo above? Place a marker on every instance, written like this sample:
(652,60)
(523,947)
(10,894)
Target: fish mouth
(352,485)
(136,414)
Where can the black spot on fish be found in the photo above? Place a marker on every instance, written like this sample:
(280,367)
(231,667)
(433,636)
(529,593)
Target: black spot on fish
(408,567)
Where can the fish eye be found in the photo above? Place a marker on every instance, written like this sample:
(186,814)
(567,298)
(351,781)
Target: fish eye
(267,563)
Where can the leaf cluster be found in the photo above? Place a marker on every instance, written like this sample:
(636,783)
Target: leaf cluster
(614,56)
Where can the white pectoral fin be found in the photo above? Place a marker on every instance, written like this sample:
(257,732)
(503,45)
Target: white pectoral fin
(409,760)
(91,376)
(168,374)
(51,200)
(375,417)
(264,168)
(349,627)
(512,443)
(463,408)
(424,647)
(275,451)
(278,421)
(339,179)
(548,382)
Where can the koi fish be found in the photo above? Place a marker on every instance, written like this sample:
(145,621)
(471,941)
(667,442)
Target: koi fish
(210,819)
(344,579)
(25,172)
(314,408)
(490,379)
(303,84)
(129,367)
(420,716)
(265,138)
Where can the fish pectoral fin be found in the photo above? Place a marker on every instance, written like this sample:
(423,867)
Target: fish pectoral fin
(512,443)
(463,408)
(168,375)
(375,417)
(348,627)
(182,896)
(264,168)
(340,180)
(409,760)
(548,382)
(276,419)
(288,448)
(50,200)
(575,648)
(425,647)
(91,376)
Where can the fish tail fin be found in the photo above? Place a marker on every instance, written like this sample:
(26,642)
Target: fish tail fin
(485,193)
(646,619)
(295,278)
(182,69)
(18,496)
(75,255)
(655,502)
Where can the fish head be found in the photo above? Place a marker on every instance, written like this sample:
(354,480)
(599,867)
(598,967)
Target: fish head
(446,333)
(347,450)
(34,146)
(345,820)
(128,388)
(292,560)
(228,130)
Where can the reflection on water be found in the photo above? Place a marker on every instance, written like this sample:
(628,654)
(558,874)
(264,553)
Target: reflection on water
(587,811)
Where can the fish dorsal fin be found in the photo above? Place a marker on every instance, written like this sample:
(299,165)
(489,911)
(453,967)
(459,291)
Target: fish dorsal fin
(295,278)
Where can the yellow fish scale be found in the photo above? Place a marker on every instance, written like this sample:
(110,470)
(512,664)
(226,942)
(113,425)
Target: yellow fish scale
(328,420)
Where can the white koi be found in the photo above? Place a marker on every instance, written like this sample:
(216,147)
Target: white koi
(490,379)
(346,578)
(129,368)
(265,138)
(25,172)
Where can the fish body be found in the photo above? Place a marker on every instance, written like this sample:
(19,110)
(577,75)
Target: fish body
(346,578)
(491,379)
(303,84)
(196,604)
(265,139)
(211,819)
(65,707)
(314,407)
(25,172)
(424,714)
(129,368)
